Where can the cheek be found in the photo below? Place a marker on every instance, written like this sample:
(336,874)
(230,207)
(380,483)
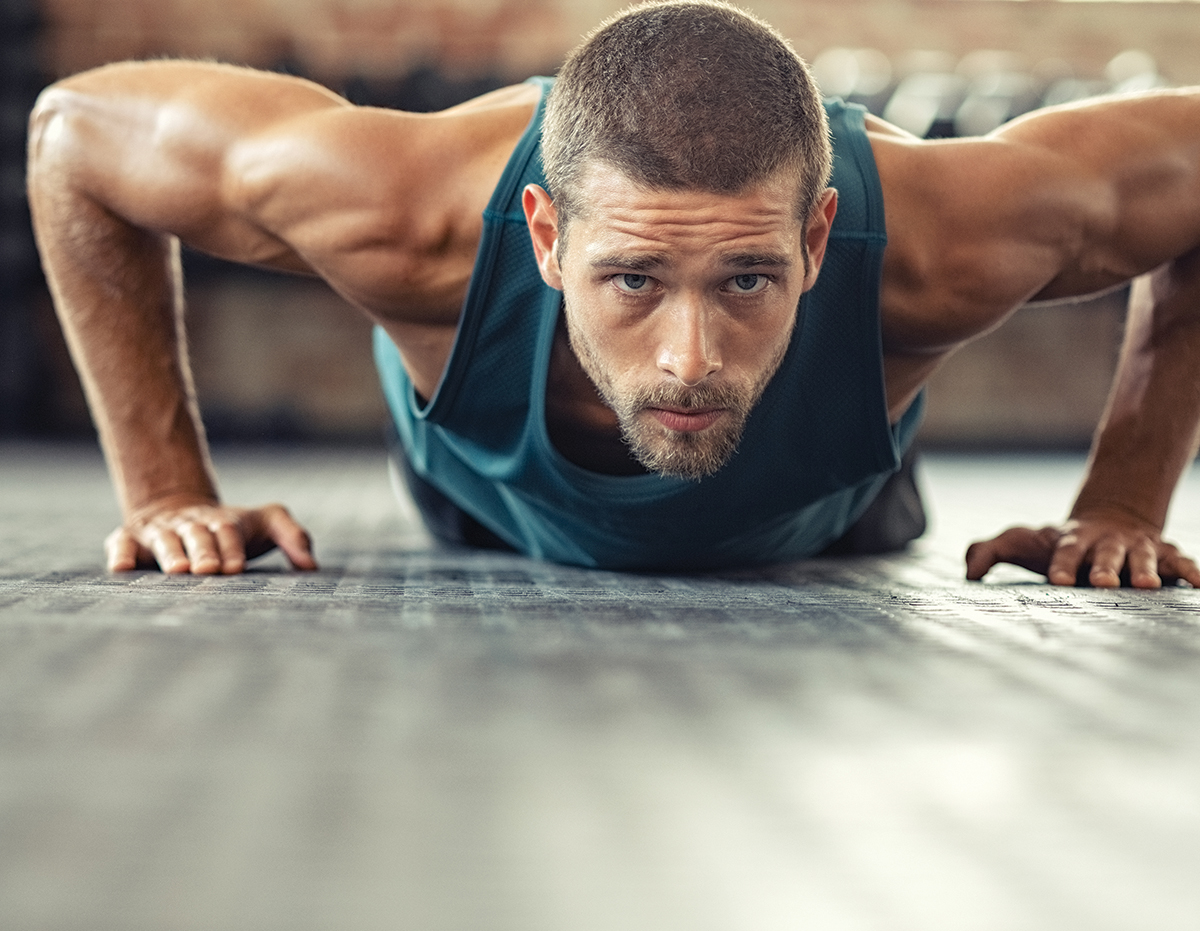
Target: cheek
(603,352)
(600,333)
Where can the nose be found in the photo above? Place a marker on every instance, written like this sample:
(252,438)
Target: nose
(688,350)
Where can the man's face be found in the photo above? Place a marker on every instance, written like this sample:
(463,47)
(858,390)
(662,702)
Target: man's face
(680,306)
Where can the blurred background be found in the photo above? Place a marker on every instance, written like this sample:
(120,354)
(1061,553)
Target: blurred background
(284,358)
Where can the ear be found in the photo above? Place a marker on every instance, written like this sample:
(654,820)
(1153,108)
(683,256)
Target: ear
(542,220)
(816,234)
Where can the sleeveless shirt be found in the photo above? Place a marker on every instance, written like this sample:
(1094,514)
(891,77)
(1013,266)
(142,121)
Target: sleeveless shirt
(815,451)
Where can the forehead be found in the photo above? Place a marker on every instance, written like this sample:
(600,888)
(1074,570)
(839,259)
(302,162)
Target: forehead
(616,211)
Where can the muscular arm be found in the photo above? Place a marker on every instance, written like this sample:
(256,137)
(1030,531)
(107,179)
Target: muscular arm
(1146,439)
(105,204)
(1138,160)
(1148,153)
(128,160)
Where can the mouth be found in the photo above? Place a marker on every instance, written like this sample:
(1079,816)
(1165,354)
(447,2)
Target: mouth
(690,420)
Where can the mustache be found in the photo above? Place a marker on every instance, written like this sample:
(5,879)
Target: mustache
(685,398)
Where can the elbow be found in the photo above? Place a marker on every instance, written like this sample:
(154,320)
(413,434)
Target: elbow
(49,126)
(50,106)
(57,153)
(63,143)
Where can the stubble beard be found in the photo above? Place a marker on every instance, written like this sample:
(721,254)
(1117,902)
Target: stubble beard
(681,454)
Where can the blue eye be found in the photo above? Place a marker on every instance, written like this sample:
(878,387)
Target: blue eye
(631,284)
(749,284)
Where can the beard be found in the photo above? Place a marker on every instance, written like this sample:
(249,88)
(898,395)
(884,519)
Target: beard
(676,453)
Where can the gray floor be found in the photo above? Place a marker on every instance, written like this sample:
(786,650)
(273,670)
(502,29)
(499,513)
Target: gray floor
(420,739)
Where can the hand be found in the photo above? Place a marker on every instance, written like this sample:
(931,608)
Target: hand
(1103,548)
(206,539)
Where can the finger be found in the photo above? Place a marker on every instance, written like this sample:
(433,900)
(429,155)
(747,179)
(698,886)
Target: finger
(169,552)
(1064,564)
(1173,566)
(981,557)
(1020,546)
(200,545)
(1108,559)
(289,536)
(1142,562)
(231,545)
(1187,570)
(121,551)
(1011,546)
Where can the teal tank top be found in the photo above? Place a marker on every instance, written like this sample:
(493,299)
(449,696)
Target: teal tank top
(815,451)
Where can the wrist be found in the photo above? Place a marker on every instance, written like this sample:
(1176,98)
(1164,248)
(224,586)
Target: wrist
(1097,508)
(172,470)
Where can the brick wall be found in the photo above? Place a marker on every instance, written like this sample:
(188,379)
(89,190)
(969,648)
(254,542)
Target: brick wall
(325,38)
(517,37)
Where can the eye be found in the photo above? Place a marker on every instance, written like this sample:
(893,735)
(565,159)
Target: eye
(748,284)
(632,284)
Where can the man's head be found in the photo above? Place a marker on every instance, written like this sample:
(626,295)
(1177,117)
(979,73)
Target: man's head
(685,94)
(688,153)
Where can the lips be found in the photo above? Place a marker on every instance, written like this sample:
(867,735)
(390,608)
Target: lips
(686,420)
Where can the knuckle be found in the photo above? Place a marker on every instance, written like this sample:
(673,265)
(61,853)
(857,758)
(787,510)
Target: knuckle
(1148,549)
(1068,552)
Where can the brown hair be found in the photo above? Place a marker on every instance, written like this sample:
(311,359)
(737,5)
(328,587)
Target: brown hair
(685,94)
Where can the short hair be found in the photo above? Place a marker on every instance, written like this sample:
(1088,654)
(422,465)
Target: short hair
(685,94)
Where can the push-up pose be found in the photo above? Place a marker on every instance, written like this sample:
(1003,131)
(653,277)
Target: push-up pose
(628,319)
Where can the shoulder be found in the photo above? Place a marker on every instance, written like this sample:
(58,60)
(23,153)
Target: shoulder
(394,160)
(1063,202)
(977,227)
(385,204)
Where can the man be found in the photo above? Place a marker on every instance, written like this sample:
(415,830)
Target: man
(735,361)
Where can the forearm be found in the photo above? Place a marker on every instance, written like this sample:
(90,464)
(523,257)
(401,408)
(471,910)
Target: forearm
(118,294)
(122,160)
(1149,432)
(1147,437)
(124,163)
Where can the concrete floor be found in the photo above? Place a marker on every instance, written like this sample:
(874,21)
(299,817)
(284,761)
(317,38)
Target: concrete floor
(413,738)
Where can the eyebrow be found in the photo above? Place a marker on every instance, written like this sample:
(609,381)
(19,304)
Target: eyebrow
(637,263)
(651,261)
(758,260)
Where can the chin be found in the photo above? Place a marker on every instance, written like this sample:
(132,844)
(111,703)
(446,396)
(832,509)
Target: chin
(689,456)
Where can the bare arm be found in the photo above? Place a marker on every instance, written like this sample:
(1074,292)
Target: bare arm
(1145,154)
(109,186)
(128,160)
(1148,436)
